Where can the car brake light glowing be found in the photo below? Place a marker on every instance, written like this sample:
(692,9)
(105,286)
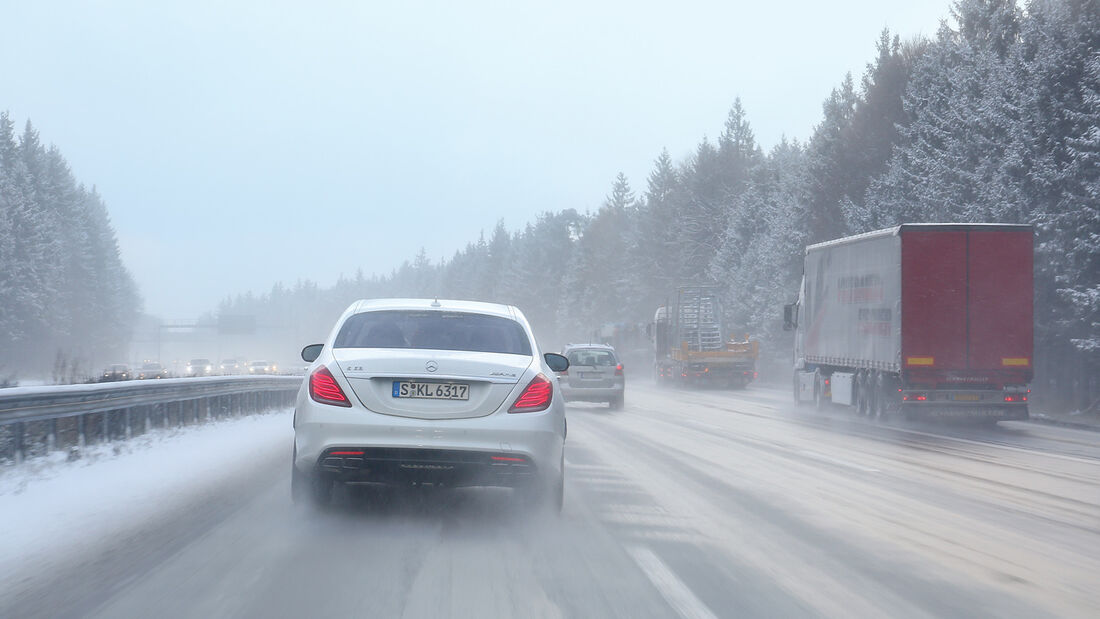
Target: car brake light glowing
(507,459)
(535,397)
(323,388)
(345,453)
(619,370)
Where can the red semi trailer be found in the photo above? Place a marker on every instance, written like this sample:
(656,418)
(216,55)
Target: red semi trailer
(928,320)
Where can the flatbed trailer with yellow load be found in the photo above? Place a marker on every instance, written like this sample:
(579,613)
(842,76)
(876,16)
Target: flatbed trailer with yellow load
(692,346)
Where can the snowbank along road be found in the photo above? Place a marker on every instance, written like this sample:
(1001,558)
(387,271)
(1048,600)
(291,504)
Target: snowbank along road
(684,504)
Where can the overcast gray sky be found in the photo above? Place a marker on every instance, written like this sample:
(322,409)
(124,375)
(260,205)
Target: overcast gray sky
(256,142)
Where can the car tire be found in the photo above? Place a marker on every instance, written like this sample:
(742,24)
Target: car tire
(540,495)
(557,500)
(617,403)
(309,489)
(299,485)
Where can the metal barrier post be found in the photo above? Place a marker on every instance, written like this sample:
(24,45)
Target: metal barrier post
(18,432)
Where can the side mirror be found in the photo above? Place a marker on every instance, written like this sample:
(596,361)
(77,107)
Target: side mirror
(557,362)
(311,352)
(790,316)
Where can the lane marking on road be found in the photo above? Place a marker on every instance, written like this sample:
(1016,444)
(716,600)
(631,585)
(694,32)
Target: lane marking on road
(837,461)
(675,592)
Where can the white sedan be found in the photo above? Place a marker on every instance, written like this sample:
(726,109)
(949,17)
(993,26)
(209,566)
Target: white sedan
(416,391)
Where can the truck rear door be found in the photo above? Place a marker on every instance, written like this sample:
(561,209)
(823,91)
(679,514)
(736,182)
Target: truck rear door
(934,299)
(1000,305)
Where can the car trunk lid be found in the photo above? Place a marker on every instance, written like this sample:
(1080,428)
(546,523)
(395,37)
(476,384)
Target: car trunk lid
(372,372)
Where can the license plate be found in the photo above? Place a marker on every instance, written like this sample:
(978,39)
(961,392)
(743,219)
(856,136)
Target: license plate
(430,391)
(967,397)
(591,375)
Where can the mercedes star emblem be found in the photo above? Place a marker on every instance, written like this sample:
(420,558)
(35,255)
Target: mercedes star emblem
(431,366)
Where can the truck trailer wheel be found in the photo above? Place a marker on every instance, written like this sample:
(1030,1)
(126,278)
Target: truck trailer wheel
(819,391)
(883,395)
(863,392)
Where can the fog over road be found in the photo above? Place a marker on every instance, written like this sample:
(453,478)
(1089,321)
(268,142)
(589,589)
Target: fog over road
(686,503)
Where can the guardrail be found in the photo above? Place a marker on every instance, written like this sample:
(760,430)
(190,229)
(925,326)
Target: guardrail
(37,420)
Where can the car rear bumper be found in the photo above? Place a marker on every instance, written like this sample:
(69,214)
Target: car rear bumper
(454,451)
(591,393)
(406,465)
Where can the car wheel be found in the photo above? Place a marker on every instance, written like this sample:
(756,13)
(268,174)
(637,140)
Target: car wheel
(299,485)
(320,490)
(312,489)
(541,495)
(558,498)
(616,403)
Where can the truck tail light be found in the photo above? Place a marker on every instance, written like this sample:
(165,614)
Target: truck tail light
(535,397)
(323,388)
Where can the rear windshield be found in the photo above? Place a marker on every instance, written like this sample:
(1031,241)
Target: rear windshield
(434,330)
(592,357)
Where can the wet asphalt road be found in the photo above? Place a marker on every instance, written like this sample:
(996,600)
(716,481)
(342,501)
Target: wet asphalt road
(685,504)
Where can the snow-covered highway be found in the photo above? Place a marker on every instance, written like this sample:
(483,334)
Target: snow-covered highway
(686,503)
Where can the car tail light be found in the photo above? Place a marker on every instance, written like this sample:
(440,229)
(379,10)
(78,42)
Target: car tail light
(323,388)
(535,397)
(619,370)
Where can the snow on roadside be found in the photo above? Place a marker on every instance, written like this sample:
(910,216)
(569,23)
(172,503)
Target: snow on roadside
(51,506)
